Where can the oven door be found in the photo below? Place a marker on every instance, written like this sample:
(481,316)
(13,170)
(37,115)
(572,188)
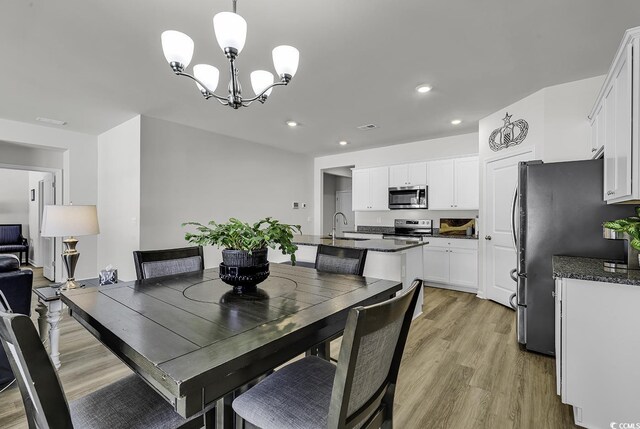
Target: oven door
(408,197)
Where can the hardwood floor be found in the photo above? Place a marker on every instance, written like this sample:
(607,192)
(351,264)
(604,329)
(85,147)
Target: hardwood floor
(462,368)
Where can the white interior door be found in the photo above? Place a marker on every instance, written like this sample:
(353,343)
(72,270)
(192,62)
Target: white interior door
(501,180)
(344,205)
(47,196)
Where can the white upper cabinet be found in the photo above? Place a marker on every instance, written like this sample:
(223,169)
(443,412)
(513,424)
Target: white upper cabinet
(370,189)
(413,174)
(614,123)
(441,187)
(454,184)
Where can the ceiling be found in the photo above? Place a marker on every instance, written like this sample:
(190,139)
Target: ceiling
(96,64)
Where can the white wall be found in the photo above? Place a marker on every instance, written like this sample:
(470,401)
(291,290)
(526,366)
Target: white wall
(79,157)
(465,144)
(558,131)
(189,174)
(119,197)
(35,251)
(14,198)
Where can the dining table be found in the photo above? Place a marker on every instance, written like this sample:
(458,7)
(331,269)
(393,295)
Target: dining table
(199,344)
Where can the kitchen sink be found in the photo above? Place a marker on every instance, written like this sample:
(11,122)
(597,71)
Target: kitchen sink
(328,237)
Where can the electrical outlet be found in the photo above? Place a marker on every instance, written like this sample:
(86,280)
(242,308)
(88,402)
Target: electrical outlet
(304,205)
(379,219)
(295,205)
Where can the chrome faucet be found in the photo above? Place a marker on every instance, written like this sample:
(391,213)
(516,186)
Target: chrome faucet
(335,220)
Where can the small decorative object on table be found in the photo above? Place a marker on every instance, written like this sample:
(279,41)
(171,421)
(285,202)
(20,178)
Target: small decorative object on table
(108,276)
(624,229)
(244,258)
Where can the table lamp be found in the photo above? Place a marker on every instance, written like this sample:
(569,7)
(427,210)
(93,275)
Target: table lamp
(69,221)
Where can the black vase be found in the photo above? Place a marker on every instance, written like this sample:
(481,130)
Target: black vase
(244,270)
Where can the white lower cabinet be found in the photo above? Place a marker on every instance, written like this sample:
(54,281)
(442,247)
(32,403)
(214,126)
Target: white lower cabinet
(597,351)
(451,263)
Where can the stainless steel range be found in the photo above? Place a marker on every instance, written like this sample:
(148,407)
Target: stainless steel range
(411,229)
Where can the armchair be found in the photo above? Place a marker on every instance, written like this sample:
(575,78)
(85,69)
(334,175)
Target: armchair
(11,240)
(16,286)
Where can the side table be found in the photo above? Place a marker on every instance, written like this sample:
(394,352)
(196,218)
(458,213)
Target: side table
(50,309)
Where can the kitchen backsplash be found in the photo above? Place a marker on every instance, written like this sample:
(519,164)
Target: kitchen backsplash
(386,218)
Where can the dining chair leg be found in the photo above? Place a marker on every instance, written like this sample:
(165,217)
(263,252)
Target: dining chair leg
(224,413)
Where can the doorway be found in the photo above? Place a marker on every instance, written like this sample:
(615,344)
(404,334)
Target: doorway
(336,192)
(23,203)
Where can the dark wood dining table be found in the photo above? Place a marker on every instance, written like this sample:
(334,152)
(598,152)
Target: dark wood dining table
(196,342)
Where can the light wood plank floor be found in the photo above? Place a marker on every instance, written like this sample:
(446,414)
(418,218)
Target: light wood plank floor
(462,368)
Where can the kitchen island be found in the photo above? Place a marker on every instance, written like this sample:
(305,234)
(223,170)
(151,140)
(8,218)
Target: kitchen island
(387,259)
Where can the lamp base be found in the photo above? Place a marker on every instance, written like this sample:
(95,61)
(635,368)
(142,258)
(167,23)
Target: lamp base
(70,284)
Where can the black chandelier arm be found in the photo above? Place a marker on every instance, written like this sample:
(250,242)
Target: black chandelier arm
(209,93)
(251,100)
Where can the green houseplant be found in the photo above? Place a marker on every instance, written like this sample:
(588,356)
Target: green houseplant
(241,236)
(630,226)
(244,255)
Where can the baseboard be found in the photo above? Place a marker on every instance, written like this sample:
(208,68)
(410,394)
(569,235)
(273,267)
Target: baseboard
(465,289)
(33,263)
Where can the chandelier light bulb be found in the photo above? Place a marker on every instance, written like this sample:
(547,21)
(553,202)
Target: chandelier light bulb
(208,75)
(285,60)
(177,47)
(260,79)
(231,30)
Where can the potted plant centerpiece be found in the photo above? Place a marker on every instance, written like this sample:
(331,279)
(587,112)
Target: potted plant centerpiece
(629,226)
(244,255)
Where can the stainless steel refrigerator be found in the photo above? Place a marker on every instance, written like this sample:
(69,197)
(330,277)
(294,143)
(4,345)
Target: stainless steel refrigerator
(560,209)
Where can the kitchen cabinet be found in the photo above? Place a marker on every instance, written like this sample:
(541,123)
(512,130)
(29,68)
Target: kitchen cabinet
(454,184)
(413,174)
(370,189)
(451,263)
(597,349)
(614,123)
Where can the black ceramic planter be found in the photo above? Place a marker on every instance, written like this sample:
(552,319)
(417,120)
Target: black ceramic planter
(244,272)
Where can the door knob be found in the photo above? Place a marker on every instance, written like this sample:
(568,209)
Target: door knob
(487,237)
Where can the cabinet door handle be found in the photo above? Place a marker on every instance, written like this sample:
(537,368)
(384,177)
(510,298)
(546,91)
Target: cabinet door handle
(594,149)
(487,237)
(610,192)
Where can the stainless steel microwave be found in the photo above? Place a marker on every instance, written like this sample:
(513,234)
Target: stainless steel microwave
(408,197)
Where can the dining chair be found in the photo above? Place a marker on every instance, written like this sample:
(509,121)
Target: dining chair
(157,263)
(340,260)
(357,393)
(128,403)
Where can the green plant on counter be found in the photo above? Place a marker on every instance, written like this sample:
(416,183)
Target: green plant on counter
(630,225)
(238,235)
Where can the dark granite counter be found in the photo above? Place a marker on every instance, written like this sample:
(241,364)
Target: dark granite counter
(573,267)
(375,245)
(389,230)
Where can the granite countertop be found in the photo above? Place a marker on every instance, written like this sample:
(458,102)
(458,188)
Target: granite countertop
(375,245)
(389,230)
(574,267)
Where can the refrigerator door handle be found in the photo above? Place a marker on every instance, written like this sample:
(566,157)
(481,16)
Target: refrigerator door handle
(514,205)
(512,274)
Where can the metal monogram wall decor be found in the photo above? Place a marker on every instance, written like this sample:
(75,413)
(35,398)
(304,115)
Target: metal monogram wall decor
(507,136)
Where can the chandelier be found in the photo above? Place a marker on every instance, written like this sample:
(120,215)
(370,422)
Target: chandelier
(231,32)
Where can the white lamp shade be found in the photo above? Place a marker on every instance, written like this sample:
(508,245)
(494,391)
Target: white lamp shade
(260,79)
(285,60)
(230,29)
(206,74)
(177,47)
(66,221)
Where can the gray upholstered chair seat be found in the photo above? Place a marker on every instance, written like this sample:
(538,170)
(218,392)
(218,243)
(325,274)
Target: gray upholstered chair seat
(295,397)
(128,404)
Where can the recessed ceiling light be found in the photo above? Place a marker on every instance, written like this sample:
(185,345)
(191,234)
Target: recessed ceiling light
(456,122)
(292,124)
(343,143)
(423,89)
(51,121)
